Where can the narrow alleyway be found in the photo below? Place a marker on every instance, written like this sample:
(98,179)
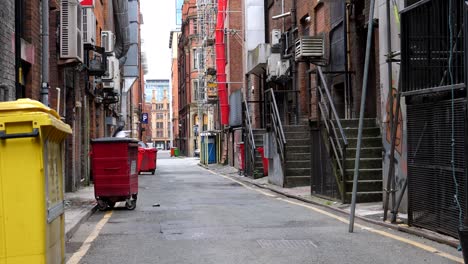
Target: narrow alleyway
(186,214)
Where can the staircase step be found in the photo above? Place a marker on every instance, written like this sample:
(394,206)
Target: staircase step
(365,197)
(365,174)
(294,171)
(368,122)
(298,164)
(365,163)
(297,156)
(297,181)
(365,152)
(366,131)
(258,131)
(298,128)
(298,149)
(367,142)
(365,186)
(297,135)
(298,142)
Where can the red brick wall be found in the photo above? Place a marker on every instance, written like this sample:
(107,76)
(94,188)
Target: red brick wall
(32,35)
(235,66)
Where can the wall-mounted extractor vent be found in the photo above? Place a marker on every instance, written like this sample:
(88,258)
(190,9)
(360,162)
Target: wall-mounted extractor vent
(71,37)
(310,47)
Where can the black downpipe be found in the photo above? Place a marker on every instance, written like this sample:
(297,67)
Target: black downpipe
(346,69)
(293,61)
(18,34)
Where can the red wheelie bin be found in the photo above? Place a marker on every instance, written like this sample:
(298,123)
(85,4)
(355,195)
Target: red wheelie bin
(115,172)
(148,162)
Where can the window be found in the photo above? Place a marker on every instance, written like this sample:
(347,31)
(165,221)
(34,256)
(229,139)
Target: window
(159,125)
(159,134)
(194,26)
(195,90)
(159,106)
(196,61)
(159,116)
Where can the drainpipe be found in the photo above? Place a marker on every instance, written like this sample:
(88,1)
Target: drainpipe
(45,52)
(18,15)
(221,62)
(293,61)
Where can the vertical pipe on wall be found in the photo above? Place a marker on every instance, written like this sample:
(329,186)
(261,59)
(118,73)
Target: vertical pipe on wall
(221,62)
(45,53)
(18,26)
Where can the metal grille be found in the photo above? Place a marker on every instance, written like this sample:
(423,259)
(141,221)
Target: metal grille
(431,188)
(426,46)
(323,175)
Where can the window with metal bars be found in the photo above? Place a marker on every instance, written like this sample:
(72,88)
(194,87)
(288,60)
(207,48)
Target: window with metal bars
(425,46)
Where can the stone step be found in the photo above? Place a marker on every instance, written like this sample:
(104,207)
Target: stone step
(368,122)
(367,142)
(298,128)
(258,131)
(365,174)
(366,132)
(298,142)
(296,181)
(297,156)
(298,149)
(364,163)
(297,135)
(294,171)
(365,186)
(298,164)
(365,152)
(365,197)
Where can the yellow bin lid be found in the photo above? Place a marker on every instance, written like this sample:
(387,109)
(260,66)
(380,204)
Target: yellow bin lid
(11,110)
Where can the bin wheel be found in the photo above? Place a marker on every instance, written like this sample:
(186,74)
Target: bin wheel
(102,205)
(153,172)
(111,204)
(130,204)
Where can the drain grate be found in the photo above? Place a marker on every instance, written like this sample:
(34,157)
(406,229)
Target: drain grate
(283,243)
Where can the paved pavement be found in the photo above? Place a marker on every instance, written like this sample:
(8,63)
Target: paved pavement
(79,206)
(186,214)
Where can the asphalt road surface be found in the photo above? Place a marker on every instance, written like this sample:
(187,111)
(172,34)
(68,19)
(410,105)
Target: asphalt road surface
(186,214)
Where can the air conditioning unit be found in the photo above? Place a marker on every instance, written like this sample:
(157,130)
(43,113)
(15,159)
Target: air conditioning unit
(310,47)
(275,37)
(89,26)
(71,36)
(112,68)
(107,41)
(282,68)
(272,64)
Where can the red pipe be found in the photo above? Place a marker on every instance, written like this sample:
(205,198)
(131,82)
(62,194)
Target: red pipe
(221,62)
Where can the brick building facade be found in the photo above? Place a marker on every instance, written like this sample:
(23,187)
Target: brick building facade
(7,40)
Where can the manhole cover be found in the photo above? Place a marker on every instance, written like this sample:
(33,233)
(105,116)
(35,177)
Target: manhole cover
(283,243)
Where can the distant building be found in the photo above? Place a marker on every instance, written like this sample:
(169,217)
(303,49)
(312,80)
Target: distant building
(159,86)
(161,120)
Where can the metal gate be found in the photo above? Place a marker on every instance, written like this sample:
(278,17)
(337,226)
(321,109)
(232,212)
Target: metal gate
(431,188)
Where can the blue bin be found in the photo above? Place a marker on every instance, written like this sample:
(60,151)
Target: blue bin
(211,150)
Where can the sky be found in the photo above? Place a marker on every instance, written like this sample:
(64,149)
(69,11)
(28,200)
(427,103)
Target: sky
(159,20)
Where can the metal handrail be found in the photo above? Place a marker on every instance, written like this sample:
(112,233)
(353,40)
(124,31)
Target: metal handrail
(338,141)
(250,140)
(276,124)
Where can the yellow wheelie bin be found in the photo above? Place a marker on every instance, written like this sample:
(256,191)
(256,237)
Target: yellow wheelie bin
(31,183)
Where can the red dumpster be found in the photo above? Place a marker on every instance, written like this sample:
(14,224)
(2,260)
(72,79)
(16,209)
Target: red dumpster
(241,157)
(115,173)
(148,163)
(141,155)
(261,150)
